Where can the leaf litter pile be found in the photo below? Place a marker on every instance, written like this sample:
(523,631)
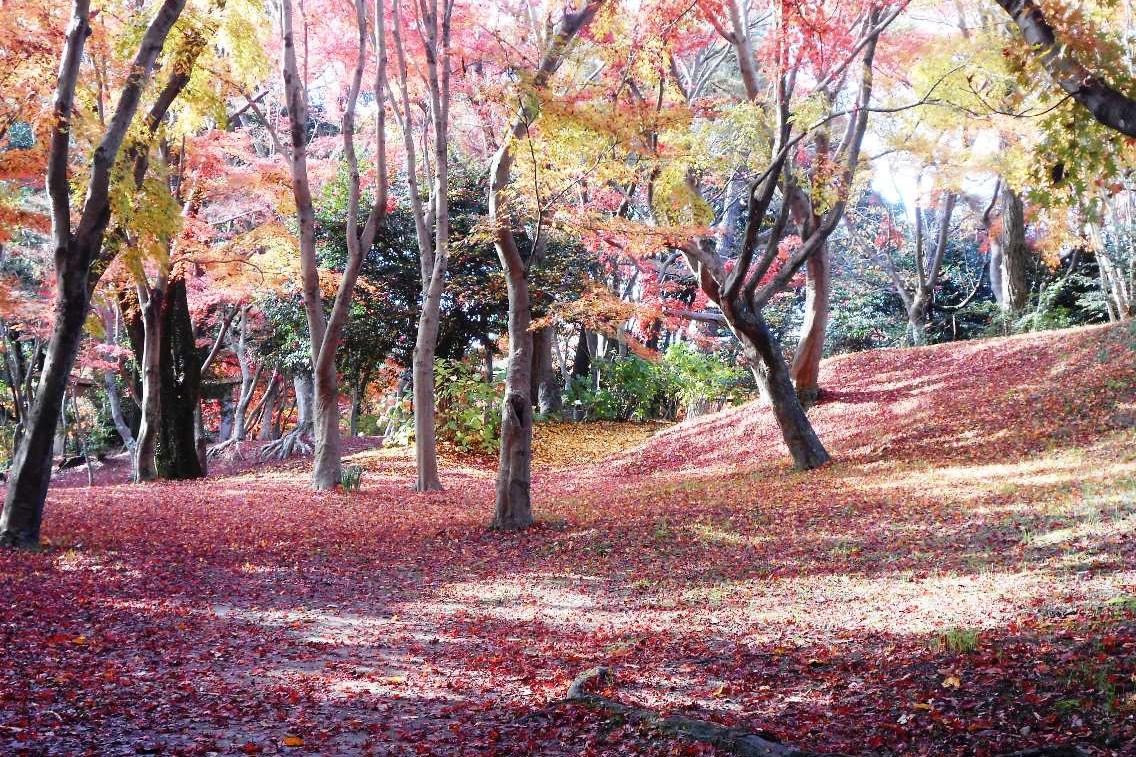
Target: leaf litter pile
(960,581)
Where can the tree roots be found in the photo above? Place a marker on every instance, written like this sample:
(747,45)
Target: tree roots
(292,443)
(732,740)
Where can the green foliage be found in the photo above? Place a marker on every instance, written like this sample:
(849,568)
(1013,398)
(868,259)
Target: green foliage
(959,640)
(351,478)
(695,375)
(633,389)
(467,412)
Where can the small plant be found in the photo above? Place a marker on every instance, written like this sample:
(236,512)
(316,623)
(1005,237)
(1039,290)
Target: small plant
(351,478)
(1123,605)
(959,640)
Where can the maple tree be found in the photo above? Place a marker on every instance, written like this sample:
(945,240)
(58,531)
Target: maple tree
(325,332)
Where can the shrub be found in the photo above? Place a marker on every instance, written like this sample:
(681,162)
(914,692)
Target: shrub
(468,410)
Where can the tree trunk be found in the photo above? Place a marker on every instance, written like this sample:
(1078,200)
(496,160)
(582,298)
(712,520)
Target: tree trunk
(145,451)
(425,441)
(31,465)
(1015,254)
(995,269)
(302,386)
(271,405)
(582,362)
(180,366)
(810,348)
(357,389)
(917,325)
(249,378)
(544,389)
(115,402)
(514,473)
(326,468)
(772,375)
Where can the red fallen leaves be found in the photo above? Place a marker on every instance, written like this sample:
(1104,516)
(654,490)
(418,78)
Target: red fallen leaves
(982,486)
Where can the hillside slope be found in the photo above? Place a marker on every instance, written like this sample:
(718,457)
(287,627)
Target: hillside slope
(962,401)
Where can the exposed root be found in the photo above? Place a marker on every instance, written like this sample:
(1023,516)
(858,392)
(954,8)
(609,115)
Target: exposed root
(292,443)
(733,740)
(230,449)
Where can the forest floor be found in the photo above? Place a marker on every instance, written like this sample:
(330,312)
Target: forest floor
(961,580)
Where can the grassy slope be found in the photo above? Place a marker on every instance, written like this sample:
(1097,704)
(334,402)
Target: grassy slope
(955,583)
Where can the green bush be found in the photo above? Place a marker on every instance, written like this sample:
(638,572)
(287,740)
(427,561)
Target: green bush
(637,390)
(468,407)
(695,376)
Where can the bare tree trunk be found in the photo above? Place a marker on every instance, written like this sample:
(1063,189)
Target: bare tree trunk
(995,269)
(273,395)
(772,375)
(326,472)
(513,507)
(31,466)
(425,441)
(1015,254)
(545,389)
(810,348)
(433,251)
(178,457)
(249,378)
(304,390)
(514,471)
(145,452)
(582,361)
(116,416)
(325,334)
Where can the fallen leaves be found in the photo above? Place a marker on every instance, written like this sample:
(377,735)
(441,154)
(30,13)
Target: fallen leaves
(973,491)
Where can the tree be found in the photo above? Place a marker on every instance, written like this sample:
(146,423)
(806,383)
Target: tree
(327,332)
(78,257)
(513,505)
(434,29)
(1108,105)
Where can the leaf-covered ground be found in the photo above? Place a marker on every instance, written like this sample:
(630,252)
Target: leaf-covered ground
(961,581)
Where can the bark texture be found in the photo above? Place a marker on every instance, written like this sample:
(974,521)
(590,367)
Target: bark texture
(180,367)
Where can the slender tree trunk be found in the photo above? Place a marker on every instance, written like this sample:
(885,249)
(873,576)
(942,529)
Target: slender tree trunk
(772,374)
(357,389)
(513,507)
(267,430)
(582,362)
(145,451)
(249,379)
(31,466)
(514,471)
(810,348)
(425,441)
(917,325)
(116,416)
(545,389)
(994,266)
(304,390)
(1015,254)
(326,469)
